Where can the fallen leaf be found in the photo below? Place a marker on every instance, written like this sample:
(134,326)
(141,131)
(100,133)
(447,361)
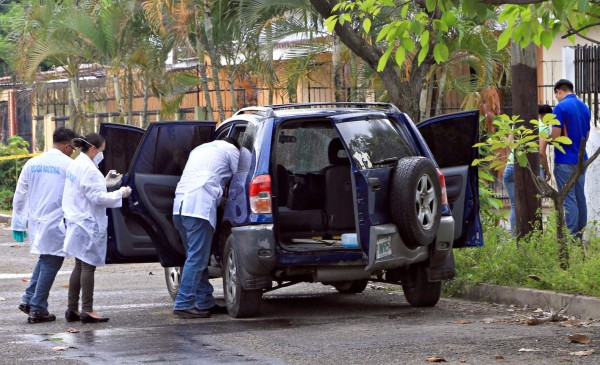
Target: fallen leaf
(582,353)
(2,299)
(72,330)
(150,273)
(579,338)
(572,323)
(462,361)
(499,357)
(55,339)
(528,350)
(59,348)
(436,359)
(462,321)
(66,286)
(25,280)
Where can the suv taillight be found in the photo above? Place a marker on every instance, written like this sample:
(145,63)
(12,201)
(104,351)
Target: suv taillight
(443,186)
(260,195)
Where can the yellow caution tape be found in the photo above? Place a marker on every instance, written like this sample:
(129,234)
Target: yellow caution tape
(15,157)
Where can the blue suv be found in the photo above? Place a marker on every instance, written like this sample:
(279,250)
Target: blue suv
(336,193)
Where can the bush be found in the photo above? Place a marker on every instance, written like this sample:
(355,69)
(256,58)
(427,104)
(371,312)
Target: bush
(10,169)
(6,197)
(532,263)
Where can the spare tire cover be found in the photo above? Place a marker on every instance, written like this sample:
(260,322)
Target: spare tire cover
(415,203)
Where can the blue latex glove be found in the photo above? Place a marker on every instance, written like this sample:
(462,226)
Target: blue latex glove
(19,236)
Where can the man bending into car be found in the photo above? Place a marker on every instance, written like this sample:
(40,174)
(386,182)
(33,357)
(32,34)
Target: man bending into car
(207,172)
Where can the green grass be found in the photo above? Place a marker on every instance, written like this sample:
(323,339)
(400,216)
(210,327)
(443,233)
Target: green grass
(4,211)
(503,261)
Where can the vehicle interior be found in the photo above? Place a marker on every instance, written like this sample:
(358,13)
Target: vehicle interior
(313,194)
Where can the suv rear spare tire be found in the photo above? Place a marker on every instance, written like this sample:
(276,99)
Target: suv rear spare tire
(415,202)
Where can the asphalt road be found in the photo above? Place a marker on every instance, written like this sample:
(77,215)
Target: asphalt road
(303,324)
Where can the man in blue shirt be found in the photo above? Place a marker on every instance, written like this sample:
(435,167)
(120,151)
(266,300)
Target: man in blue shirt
(574,117)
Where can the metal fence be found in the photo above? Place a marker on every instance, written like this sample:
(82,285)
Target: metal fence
(587,77)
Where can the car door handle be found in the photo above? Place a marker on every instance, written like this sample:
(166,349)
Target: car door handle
(374,183)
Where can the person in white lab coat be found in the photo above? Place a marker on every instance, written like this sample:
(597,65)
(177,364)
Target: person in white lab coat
(85,200)
(38,202)
(207,172)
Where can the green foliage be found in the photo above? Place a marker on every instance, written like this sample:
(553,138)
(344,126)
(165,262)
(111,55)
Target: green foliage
(10,169)
(512,134)
(504,262)
(431,22)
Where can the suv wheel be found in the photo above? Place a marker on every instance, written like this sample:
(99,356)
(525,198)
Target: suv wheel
(351,287)
(240,302)
(418,290)
(173,279)
(415,203)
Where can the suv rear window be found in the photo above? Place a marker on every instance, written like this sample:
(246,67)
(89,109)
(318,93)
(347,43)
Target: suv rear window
(373,142)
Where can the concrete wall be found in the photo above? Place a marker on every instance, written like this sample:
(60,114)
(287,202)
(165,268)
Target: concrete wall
(557,63)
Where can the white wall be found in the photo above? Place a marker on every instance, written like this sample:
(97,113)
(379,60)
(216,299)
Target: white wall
(592,178)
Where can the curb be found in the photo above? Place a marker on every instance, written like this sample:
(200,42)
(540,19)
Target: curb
(576,305)
(5,218)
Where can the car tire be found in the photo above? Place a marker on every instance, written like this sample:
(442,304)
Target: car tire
(419,291)
(173,279)
(351,287)
(241,303)
(415,202)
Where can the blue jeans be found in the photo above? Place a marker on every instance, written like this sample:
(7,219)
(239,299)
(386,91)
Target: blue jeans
(42,279)
(195,289)
(575,203)
(509,184)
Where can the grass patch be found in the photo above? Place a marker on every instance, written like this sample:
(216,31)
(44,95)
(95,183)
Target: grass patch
(5,211)
(503,261)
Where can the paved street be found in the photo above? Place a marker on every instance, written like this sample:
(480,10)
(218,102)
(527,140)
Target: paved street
(304,324)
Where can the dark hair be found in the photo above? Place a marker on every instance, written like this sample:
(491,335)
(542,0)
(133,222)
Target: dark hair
(232,141)
(89,140)
(564,85)
(544,109)
(63,135)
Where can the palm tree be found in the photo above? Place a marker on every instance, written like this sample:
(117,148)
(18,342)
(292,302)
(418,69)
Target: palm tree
(44,36)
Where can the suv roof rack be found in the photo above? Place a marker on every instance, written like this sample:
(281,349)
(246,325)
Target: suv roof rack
(387,106)
(266,110)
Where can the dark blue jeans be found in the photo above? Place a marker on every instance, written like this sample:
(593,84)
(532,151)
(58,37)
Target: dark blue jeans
(42,279)
(575,203)
(195,290)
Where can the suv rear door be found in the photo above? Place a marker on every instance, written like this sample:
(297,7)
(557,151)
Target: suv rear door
(153,174)
(450,138)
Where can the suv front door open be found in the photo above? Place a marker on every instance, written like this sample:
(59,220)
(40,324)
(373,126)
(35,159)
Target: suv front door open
(451,138)
(153,175)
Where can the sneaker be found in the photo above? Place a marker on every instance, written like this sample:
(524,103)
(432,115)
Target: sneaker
(191,313)
(24,307)
(38,317)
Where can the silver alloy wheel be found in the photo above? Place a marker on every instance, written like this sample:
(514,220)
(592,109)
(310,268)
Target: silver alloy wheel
(425,202)
(231,277)
(173,278)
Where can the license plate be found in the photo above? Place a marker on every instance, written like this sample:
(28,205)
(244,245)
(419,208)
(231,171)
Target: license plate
(384,247)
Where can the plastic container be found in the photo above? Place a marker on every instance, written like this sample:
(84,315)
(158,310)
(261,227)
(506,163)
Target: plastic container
(350,240)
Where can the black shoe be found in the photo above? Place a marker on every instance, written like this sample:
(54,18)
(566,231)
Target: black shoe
(72,316)
(38,317)
(86,318)
(218,309)
(191,313)
(24,307)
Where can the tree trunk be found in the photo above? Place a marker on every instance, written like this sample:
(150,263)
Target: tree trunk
(524,100)
(404,94)
(203,76)
(233,97)
(441,91)
(130,96)
(118,96)
(563,245)
(144,121)
(214,59)
(77,118)
(336,73)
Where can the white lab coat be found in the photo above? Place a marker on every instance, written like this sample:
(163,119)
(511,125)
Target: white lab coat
(38,201)
(207,172)
(85,200)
